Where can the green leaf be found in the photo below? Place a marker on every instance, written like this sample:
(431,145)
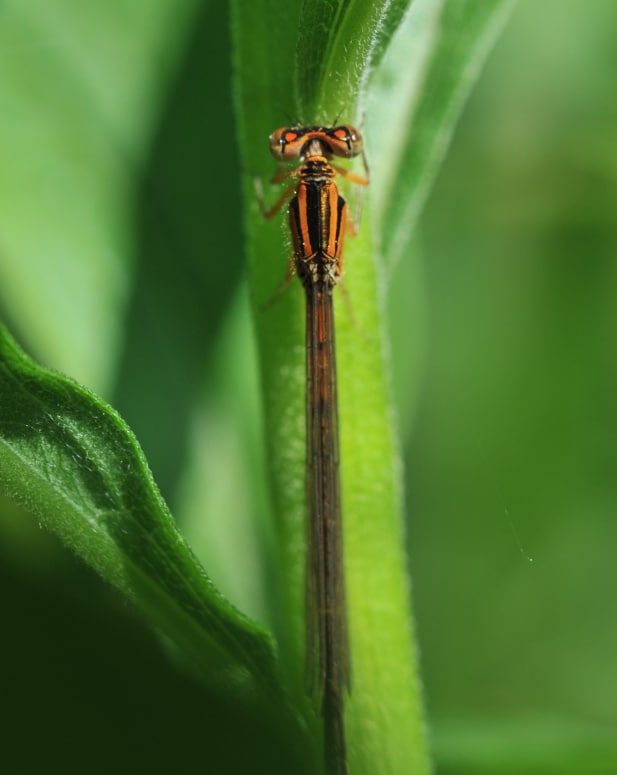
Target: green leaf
(334,47)
(72,461)
(418,93)
(338,45)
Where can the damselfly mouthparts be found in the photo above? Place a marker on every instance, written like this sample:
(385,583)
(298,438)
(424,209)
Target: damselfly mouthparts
(318,221)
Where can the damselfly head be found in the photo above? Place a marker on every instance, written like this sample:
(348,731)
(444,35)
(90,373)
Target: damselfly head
(290,143)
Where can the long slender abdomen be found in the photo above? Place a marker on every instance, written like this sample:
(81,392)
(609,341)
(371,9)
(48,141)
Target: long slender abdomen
(327,642)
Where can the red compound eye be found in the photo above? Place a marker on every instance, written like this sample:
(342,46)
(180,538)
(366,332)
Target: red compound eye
(286,144)
(345,141)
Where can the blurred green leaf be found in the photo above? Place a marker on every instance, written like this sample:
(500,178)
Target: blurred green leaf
(428,72)
(537,745)
(512,451)
(80,92)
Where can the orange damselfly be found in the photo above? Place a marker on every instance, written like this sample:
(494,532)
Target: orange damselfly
(318,222)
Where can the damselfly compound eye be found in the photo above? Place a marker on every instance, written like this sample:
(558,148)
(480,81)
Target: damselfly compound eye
(345,141)
(286,144)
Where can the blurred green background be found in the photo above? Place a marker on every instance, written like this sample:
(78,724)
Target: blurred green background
(511,453)
(121,265)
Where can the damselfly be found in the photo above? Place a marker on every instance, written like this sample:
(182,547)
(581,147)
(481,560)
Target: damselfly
(318,222)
